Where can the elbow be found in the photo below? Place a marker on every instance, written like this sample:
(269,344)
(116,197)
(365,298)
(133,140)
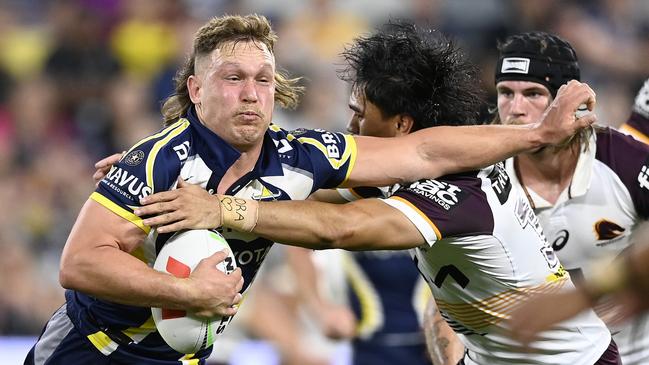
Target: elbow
(66,277)
(337,237)
(343,233)
(69,274)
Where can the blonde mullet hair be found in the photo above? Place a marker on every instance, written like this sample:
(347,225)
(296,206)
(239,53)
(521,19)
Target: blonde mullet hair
(218,31)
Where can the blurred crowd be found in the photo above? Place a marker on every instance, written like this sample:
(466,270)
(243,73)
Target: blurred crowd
(81,79)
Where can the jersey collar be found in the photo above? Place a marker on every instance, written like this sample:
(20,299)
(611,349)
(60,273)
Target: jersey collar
(219,155)
(581,177)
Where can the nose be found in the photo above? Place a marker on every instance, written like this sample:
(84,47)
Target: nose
(517,106)
(352,126)
(249,92)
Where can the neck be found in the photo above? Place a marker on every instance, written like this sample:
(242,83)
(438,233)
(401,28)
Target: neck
(548,172)
(242,166)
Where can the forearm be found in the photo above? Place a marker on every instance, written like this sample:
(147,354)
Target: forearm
(110,274)
(444,348)
(465,148)
(96,261)
(307,224)
(437,151)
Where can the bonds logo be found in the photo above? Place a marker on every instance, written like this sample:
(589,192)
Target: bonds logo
(445,194)
(134,158)
(607,230)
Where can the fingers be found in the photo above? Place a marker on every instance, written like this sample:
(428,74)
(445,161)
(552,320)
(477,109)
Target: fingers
(154,209)
(182,183)
(216,258)
(585,121)
(162,196)
(108,161)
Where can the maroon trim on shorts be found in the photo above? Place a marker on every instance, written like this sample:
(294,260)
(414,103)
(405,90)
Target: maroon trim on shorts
(611,356)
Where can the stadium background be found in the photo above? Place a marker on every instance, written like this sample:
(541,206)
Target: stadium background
(81,79)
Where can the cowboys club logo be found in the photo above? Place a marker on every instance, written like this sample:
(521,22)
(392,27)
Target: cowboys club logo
(134,158)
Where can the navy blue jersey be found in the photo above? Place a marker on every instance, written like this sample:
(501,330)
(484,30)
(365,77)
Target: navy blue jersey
(388,295)
(291,166)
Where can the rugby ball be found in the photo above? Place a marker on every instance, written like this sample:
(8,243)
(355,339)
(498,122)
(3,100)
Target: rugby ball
(179,256)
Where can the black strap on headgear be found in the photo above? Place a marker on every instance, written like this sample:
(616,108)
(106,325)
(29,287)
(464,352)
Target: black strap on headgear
(537,57)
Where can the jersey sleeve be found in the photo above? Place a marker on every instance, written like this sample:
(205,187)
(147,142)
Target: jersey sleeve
(148,167)
(638,123)
(362,192)
(330,156)
(629,159)
(447,207)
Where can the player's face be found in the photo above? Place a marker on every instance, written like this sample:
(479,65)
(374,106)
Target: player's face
(368,120)
(235,87)
(521,102)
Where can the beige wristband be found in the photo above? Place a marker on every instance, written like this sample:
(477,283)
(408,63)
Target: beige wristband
(237,213)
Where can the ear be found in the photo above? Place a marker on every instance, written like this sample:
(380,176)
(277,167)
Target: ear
(194,88)
(404,124)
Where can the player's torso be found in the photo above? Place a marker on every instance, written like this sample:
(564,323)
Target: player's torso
(486,254)
(594,225)
(476,276)
(288,168)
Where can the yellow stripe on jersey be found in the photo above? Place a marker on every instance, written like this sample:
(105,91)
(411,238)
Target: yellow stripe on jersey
(113,207)
(137,334)
(150,160)
(189,361)
(371,310)
(276,128)
(157,135)
(350,151)
(490,311)
(413,207)
(353,151)
(635,133)
(102,342)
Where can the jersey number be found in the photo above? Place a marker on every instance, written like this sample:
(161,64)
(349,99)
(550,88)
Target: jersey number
(452,271)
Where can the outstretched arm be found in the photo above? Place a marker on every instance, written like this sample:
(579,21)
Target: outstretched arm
(626,280)
(437,151)
(366,224)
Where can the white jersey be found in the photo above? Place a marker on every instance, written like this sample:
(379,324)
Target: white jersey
(485,254)
(594,217)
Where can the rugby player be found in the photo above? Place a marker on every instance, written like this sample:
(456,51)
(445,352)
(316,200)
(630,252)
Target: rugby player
(218,134)
(589,193)
(475,240)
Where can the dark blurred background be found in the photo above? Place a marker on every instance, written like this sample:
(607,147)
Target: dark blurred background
(81,79)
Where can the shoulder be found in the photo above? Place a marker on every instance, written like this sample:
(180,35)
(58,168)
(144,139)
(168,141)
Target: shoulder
(620,152)
(628,159)
(456,204)
(155,158)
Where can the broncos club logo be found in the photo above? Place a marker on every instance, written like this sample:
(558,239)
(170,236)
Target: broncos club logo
(607,230)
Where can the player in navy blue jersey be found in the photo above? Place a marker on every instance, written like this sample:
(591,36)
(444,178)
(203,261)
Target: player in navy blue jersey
(218,135)
(475,239)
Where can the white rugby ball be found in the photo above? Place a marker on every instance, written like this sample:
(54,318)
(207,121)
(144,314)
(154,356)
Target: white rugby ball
(179,256)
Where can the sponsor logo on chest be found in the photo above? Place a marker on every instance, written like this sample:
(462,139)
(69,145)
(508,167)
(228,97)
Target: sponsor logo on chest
(445,194)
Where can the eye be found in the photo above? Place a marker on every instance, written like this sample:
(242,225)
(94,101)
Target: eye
(232,78)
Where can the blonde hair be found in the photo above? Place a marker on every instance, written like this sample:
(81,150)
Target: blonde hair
(220,30)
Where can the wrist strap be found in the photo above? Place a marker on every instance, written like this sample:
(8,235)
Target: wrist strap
(237,213)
